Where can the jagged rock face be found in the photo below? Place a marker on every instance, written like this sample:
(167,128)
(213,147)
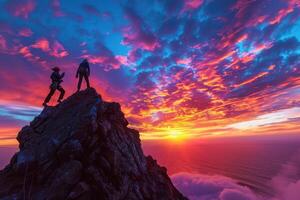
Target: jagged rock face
(83,149)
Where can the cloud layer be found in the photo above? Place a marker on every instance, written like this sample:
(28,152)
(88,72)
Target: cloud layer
(204,187)
(285,185)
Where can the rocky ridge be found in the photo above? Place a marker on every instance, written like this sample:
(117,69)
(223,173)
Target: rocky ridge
(82,149)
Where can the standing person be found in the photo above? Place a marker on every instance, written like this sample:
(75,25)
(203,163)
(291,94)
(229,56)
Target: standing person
(83,71)
(56,78)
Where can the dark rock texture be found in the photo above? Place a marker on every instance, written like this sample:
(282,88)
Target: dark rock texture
(83,149)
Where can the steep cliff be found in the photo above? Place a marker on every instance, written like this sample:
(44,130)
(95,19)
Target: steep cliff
(83,149)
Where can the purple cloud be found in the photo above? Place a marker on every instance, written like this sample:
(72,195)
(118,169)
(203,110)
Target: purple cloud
(20,8)
(137,34)
(287,183)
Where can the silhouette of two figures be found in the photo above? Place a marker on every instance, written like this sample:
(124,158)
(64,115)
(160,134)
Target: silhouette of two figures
(83,71)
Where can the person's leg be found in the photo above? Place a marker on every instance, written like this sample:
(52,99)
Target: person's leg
(62,93)
(86,77)
(79,82)
(52,91)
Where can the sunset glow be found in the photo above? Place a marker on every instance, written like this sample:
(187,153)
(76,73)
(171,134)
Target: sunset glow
(180,69)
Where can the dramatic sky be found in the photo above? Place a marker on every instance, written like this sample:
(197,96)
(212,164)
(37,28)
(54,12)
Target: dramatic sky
(179,68)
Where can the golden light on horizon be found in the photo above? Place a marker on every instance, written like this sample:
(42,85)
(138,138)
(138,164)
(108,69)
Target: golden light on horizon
(175,134)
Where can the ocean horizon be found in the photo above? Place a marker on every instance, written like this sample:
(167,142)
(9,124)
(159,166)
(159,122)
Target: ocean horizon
(255,164)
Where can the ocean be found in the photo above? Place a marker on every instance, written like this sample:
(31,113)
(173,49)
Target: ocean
(250,163)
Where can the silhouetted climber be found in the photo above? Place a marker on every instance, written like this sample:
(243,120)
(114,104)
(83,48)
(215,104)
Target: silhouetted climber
(56,78)
(83,71)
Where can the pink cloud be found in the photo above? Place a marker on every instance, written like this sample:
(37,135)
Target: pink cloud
(96,59)
(25,51)
(192,4)
(282,13)
(137,36)
(25,32)
(20,8)
(184,61)
(122,59)
(292,5)
(56,49)
(9,47)
(140,40)
(108,62)
(42,44)
(133,55)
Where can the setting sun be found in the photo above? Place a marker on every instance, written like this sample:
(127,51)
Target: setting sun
(175,134)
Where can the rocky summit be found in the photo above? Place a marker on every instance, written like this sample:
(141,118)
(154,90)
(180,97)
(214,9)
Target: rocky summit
(82,149)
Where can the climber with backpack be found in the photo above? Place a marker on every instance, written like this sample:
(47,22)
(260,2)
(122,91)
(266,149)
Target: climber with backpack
(56,78)
(83,71)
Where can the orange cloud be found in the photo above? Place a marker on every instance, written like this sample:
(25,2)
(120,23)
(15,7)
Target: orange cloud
(252,79)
